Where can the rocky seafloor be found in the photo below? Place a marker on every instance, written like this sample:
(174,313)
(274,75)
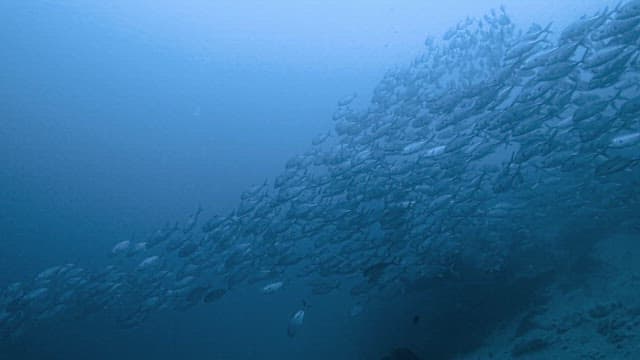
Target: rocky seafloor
(592,312)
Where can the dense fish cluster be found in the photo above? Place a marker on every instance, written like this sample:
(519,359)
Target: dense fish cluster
(464,160)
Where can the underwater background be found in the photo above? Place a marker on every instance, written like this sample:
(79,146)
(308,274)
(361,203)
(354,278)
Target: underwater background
(354,180)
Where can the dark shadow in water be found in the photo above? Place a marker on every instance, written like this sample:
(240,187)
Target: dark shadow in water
(462,310)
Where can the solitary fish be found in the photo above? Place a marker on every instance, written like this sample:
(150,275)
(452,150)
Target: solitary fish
(273,287)
(295,323)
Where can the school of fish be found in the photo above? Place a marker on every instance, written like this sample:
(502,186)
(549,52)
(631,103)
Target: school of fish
(462,160)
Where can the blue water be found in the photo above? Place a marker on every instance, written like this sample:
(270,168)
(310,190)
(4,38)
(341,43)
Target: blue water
(118,118)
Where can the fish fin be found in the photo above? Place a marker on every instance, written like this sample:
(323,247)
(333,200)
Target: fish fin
(396,260)
(617,96)
(305,304)
(616,9)
(587,51)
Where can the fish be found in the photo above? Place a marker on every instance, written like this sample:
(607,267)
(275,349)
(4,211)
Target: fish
(188,249)
(48,273)
(321,138)
(614,165)
(161,235)
(614,28)
(347,99)
(413,147)
(197,294)
(625,140)
(434,151)
(375,271)
(603,56)
(582,28)
(628,10)
(149,262)
(273,287)
(121,248)
(214,295)
(36,295)
(356,310)
(295,323)
(192,221)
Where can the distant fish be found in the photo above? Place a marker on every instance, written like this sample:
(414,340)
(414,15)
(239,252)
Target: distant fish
(192,221)
(273,287)
(137,248)
(48,273)
(214,295)
(187,249)
(320,138)
(121,248)
(374,272)
(413,147)
(435,151)
(295,323)
(196,294)
(36,294)
(149,262)
(628,10)
(347,99)
(625,140)
(323,288)
(356,310)
(614,165)
(296,320)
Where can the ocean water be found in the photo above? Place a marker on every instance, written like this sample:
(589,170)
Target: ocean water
(347,180)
